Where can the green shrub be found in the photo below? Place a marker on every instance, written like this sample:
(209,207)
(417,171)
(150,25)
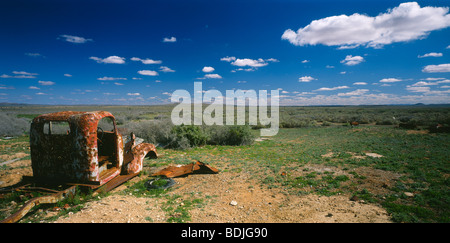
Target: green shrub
(164,134)
(326,124)
(230,135)
(296,122)
(239,135)
(194,134)
(387,122)
(412,124)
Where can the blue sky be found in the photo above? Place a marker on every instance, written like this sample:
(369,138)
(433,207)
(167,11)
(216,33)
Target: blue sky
(139,52)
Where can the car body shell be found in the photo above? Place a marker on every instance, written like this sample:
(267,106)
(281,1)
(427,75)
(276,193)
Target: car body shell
(83,152)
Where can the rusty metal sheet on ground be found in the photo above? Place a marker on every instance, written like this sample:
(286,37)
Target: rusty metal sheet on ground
(193,168)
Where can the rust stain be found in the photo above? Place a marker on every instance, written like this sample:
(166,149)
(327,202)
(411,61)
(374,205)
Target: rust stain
(197,167)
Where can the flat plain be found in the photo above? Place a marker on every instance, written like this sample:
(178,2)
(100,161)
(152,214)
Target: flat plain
(392,167)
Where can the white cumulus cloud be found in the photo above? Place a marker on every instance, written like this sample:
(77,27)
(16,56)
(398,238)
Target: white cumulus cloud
(253,63)
(406,22)
(431,54)
(352,60)
(249,62)
(19,74)
(334,88)
(146,61)
(423,83)
(390,80)
(441,68)
(166,69)
(74,39)
(171,39)
(354,93)
(148,72)
(111,78)
(213,75)
(228,59)
(360,83)
(418,88)
(24,73)
(207,69)
(110,59)
(46,83)
(306,79)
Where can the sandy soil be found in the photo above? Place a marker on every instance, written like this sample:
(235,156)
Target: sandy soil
(235,202)
(227,197)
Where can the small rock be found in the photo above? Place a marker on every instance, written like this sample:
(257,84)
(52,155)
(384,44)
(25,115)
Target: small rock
(233,203)
(374,155)
(409,194)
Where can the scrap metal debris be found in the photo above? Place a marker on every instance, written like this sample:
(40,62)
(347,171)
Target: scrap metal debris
(52,198)
(193,168)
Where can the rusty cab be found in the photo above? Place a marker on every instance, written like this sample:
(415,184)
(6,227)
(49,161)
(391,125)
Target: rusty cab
(83,148)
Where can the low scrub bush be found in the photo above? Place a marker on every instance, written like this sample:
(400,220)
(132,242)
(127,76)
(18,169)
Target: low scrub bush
(326,124)
(386,122)
(297,122)
(11,125)
(194,134)
(230,135)
(164,134)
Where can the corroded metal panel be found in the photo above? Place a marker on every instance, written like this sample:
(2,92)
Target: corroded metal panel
(135,154)
(197,167)
(72,156)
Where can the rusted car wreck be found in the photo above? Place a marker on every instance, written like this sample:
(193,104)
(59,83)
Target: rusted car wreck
(83,147)
(80,149)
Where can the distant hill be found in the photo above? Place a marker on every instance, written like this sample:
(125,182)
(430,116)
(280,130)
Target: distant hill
(15,104)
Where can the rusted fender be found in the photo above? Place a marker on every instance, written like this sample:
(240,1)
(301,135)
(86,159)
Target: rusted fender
(135,154)
(197,167)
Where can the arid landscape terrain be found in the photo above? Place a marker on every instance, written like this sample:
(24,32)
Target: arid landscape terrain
(323,171)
